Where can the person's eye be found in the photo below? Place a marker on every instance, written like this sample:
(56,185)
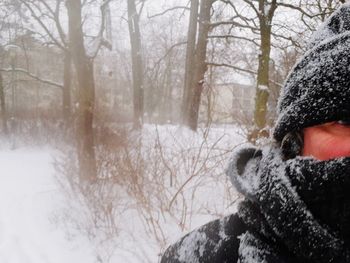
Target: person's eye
(344,122)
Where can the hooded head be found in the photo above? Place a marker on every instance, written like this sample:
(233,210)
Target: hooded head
(318,88)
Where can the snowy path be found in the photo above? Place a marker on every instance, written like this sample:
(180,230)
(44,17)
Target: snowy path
(28,197)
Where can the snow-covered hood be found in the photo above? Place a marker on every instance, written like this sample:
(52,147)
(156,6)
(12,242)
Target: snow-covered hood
(318,88)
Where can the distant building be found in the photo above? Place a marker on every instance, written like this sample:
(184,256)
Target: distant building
(234,103)
(231,103)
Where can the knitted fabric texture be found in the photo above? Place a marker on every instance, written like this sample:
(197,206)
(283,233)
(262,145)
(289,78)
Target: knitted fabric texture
(318,88)
(287,207)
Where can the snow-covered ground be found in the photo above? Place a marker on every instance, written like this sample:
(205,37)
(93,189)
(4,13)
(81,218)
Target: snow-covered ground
(33,207)
(29,197)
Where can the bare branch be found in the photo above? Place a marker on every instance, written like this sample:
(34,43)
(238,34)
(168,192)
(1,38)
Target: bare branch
(169,10)
(238,14)
(100,39)
(235,37)
(295,43)
(168,52)
(45,81)
(42,24)
(232,67)
(233,23)
(56,18)
(250,3)
(273,7)
(141,8)
(298,8)
(239,69)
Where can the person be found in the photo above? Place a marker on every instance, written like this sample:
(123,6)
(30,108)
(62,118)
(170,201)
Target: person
(296,190)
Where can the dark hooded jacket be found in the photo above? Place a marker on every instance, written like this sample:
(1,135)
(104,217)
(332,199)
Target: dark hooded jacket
(295,209)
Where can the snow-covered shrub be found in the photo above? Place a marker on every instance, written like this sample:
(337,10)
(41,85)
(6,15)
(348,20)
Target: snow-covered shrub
(153,185)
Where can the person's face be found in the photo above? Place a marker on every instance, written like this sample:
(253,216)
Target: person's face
(327,141)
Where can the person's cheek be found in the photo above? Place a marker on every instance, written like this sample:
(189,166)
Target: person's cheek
(324,145)
(335,147)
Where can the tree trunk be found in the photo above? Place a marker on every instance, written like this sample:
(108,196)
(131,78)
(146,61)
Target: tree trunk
(66,93)
(266,13)
(200,64)
(262,88)
(3,106)
(210,96)
(190,57)
(166,99)
(86,94)
(137,66)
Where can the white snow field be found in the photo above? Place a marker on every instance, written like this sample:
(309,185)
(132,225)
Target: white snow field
(28,198)
(38,219)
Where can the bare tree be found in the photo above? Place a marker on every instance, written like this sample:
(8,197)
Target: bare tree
(196,65)
(263,32)
(265,13)
(200,67)
(67,84)
(3,106)
(190,56)
(312,13)
(2,93)
(52,11)
(137,63)
(86,90)
(84,66)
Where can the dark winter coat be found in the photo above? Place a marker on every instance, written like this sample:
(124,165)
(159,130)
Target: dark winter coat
(294,211)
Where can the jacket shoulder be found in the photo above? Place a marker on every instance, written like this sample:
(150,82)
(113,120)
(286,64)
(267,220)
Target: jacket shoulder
(216,241)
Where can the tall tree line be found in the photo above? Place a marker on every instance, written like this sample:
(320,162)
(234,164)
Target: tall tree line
(180,68)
